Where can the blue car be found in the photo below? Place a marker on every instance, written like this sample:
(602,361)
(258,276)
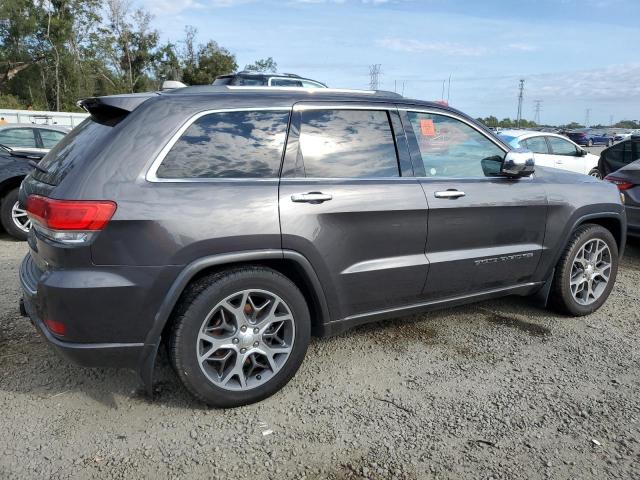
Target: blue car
(588,138)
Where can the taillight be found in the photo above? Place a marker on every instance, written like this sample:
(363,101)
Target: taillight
(69,221)
(55,327)
(621,184)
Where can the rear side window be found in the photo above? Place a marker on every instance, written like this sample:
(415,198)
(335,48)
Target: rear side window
(246,144)
(537,145)
(76,147)
(284,82)
(619,155)
(18,138)
(347,144)
(50,137)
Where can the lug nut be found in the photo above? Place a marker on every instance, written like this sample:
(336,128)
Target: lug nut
(243,328)
(242,350)
(255,344)
(235,340)
(258,377)
(255,330)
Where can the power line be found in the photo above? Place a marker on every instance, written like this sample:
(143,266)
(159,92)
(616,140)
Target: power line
(538,108)
(520,97)
(374,76)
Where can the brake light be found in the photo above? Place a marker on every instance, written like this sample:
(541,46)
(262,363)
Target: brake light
(621,184)
(69,221)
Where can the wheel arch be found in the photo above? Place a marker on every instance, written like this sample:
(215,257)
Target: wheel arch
(9,184)
(291,264)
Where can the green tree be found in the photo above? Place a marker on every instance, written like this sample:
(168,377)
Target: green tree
(267,65)
(210,61)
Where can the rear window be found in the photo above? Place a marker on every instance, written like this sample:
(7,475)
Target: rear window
(245,144)
(75,148)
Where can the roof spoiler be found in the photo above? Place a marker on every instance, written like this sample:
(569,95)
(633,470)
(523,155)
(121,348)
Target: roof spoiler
(112,109)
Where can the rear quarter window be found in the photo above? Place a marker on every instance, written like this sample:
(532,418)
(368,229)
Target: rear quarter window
(245,144)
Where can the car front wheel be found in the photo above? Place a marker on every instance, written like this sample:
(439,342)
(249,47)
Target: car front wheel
(14,219)
(239,336)
(586,271)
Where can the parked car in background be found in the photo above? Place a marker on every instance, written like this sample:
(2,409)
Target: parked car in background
(588,138)
(14,166)
(253,79)
(620,136)
(621,165)
(31,137)
(247,219)
(553,150)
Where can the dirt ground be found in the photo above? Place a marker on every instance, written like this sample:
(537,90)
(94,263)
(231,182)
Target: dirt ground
(499,389)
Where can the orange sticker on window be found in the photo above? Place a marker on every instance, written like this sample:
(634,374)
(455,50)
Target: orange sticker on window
(427,128)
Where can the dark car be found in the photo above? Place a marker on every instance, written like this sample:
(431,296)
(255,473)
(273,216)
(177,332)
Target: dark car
(233,223)
(255,79)
(588,138)
(621,165)
(14,167)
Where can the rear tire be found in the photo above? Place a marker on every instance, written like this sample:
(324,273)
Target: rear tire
(11,224)
(579,287)
(239,336)
(595,173)
(590,143)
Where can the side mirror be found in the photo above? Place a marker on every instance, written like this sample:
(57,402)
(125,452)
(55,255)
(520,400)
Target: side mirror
(582,152)
(518,163)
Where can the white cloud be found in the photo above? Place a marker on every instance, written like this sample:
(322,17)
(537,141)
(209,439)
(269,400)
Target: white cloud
(522,47)
(445,48)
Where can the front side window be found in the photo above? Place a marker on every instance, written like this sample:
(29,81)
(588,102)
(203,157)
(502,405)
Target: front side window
(310,84)
(450,148)
(245,144)
(562,147)
(537,145)
(347,144)
(18,138)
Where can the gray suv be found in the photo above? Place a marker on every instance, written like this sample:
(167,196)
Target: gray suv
(231,224)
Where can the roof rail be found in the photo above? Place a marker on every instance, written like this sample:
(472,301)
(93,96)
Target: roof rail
(306,89)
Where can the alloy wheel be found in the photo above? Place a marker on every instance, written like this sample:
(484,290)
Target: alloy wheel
(245,339)
(20,218)
(590,271)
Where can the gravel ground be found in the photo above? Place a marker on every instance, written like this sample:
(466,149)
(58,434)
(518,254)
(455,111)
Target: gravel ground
(499,389)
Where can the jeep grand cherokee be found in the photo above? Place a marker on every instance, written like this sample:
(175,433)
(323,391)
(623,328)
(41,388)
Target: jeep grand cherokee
(232,223)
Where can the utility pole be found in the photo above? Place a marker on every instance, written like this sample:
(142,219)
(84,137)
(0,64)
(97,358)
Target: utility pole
(611,120)
(520,97)
(538,104)
(374,76)
(587,117)
(449,90)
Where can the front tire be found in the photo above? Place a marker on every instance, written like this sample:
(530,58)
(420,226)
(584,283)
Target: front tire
(595,173)
(239,336)
(14,219)
(586,271)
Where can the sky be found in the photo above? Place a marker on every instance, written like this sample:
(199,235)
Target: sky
(574,55)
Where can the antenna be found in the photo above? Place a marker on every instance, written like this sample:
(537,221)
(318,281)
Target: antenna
(538,108)
(374,74)
(520,97)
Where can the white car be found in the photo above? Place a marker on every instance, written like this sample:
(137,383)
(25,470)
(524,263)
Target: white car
(553,150)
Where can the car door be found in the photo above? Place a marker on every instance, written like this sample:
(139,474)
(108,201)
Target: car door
(350,205)
(538,145)
(485,231)
(567,155)
(19,137)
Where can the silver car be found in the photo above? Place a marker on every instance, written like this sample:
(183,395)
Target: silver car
(31,137)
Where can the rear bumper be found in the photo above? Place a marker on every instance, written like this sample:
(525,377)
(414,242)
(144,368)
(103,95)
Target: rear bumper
(85,354)
(104,311)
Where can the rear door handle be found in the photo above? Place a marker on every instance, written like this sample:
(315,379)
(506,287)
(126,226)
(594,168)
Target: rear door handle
(449,194)
(311,197)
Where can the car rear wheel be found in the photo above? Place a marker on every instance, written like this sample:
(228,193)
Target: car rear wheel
(14,219)
(586,271)
(590,143)
(239,336)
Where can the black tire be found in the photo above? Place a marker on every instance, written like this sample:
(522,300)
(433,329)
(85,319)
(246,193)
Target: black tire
(9,225)
(595,173)
(560,296)
(192,310)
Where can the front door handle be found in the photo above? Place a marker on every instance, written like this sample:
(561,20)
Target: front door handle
(311,197)
(449,194)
